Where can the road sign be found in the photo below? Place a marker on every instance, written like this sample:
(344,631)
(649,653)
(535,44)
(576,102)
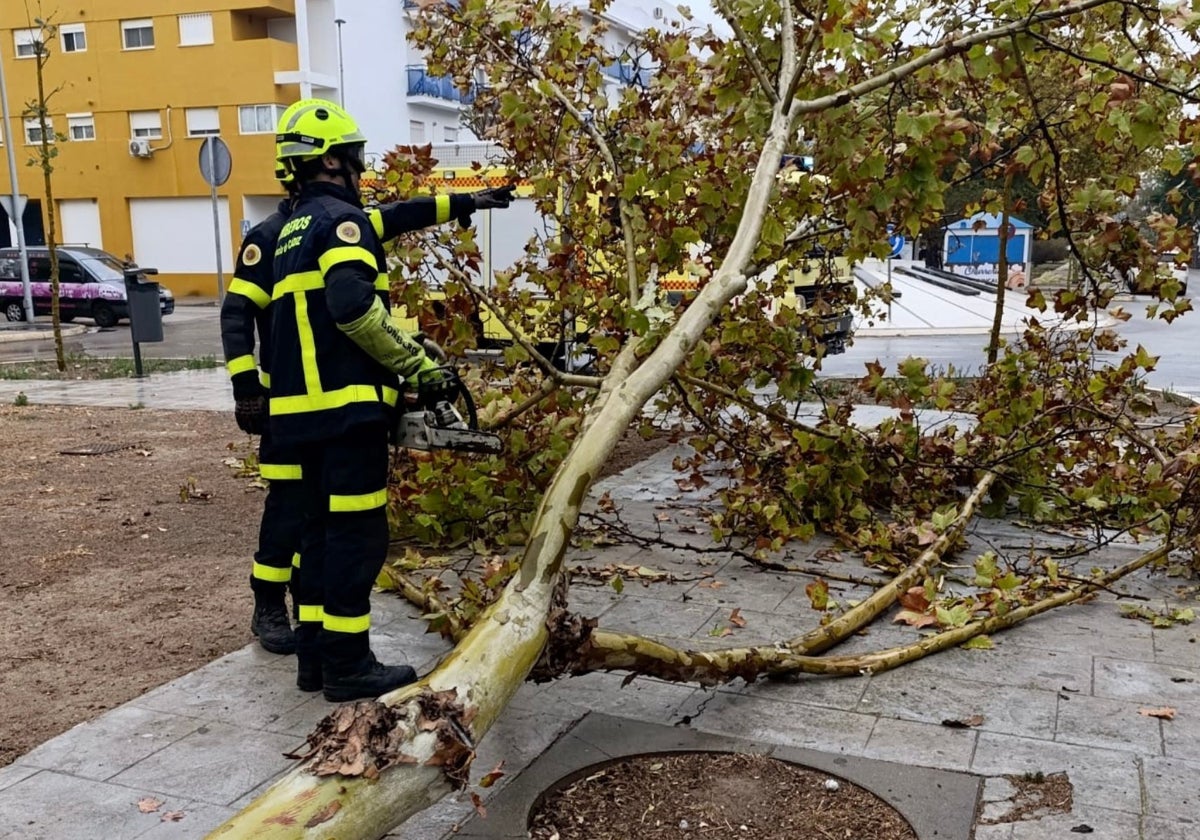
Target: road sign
(6,201)
(215,165)
(895,242)
(215,161)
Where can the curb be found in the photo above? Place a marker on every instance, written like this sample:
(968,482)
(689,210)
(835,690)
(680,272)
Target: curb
(25,333)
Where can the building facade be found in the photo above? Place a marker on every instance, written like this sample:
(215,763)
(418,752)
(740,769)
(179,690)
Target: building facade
(139,84)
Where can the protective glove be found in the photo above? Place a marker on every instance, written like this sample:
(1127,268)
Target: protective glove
(251,414)
(433,383)
(499,198)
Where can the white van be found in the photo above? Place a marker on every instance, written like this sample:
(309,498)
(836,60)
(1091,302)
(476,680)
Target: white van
(91,284)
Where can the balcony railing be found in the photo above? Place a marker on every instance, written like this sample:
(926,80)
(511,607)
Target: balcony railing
(421,83)
(627,73)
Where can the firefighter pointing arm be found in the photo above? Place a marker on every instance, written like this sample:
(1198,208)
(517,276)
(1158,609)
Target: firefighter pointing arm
(337,360)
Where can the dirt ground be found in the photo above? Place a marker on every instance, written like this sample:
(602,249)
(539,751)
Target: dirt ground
(691,795)
(119,571)
(122,571)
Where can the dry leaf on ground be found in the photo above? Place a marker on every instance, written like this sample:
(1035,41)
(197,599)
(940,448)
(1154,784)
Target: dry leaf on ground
(1163,713)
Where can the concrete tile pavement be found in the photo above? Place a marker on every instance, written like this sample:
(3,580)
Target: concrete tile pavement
(1061,693)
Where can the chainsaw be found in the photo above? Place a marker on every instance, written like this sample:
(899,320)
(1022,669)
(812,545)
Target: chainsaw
(432,420)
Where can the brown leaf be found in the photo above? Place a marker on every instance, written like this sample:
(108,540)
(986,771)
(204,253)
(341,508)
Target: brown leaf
(494,775)
(735,618)
(818,594)
(711,584)
(1164,713)
(148,804)
(914,599)
(477,801)
(965,723)
(914,619)
(173,816)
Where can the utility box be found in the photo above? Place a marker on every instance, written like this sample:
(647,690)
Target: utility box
(145,312)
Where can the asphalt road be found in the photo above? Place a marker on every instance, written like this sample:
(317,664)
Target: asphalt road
(190,331)
(193,330)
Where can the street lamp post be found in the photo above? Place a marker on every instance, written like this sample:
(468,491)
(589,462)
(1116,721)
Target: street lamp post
(341,67)
(16,215)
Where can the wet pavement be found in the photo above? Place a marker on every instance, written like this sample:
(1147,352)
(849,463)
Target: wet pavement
(1063,692)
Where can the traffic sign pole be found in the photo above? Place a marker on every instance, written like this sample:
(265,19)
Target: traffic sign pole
(212,167)
(16,212)
(215,165)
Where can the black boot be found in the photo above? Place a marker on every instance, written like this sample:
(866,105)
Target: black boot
(373,680)
(273,628)
(308,657)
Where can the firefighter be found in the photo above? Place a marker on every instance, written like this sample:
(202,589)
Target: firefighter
(338,361)
(243,313)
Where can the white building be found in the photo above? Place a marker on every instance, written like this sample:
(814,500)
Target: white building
(386,86)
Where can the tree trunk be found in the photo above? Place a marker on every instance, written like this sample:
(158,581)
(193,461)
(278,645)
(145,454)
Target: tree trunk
(46,156)
(436,723)
(1001,275)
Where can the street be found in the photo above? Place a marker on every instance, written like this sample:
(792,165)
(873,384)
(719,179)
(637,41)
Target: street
(1175,344)
(193,330)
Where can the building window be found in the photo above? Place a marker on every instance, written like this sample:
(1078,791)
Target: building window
(137,34)
(74,38)
(202,122)
(25,43)
(145,124)
(416,131)
(259,119)
(81,127)
(33,132)
(450,134)
(195,30)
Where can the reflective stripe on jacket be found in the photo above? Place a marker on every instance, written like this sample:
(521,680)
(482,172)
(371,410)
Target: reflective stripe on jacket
(244,309)
(322,383)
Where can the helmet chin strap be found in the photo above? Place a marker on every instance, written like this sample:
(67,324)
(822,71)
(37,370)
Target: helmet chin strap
(343,172)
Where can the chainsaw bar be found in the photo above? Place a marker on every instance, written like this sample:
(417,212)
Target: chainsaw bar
(421,430)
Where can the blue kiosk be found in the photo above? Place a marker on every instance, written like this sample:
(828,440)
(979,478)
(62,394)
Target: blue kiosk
(972,246)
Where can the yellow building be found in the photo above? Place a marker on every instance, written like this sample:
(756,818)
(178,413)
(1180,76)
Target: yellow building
(139,84)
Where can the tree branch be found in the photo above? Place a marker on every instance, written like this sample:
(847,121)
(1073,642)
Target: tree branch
(756,65)
(937,54)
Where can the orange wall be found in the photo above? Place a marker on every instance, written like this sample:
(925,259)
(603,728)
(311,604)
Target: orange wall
(109,82)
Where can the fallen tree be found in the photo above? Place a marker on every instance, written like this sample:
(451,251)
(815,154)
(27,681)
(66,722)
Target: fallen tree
(691,157)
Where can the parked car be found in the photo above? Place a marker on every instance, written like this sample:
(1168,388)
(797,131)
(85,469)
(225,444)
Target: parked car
(91,284)
(1168,268)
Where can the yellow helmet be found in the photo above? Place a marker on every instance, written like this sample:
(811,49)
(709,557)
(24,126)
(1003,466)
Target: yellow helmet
(309,129)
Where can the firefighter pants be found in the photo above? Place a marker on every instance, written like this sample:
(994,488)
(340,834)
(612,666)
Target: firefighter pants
(344,545)
(282,521)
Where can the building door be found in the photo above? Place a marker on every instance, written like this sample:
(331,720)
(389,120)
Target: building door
(35,234)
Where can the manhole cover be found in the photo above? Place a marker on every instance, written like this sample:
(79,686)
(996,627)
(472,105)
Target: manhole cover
(690,794)
(96,449)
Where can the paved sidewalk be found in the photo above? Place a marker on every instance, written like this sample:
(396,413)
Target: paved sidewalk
(1061,693)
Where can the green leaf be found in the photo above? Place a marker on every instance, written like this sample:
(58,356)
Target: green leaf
(978,643)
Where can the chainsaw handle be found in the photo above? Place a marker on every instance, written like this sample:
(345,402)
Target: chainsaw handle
(450,388)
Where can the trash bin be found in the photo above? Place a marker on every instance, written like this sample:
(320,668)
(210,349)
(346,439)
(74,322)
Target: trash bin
(145,314)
